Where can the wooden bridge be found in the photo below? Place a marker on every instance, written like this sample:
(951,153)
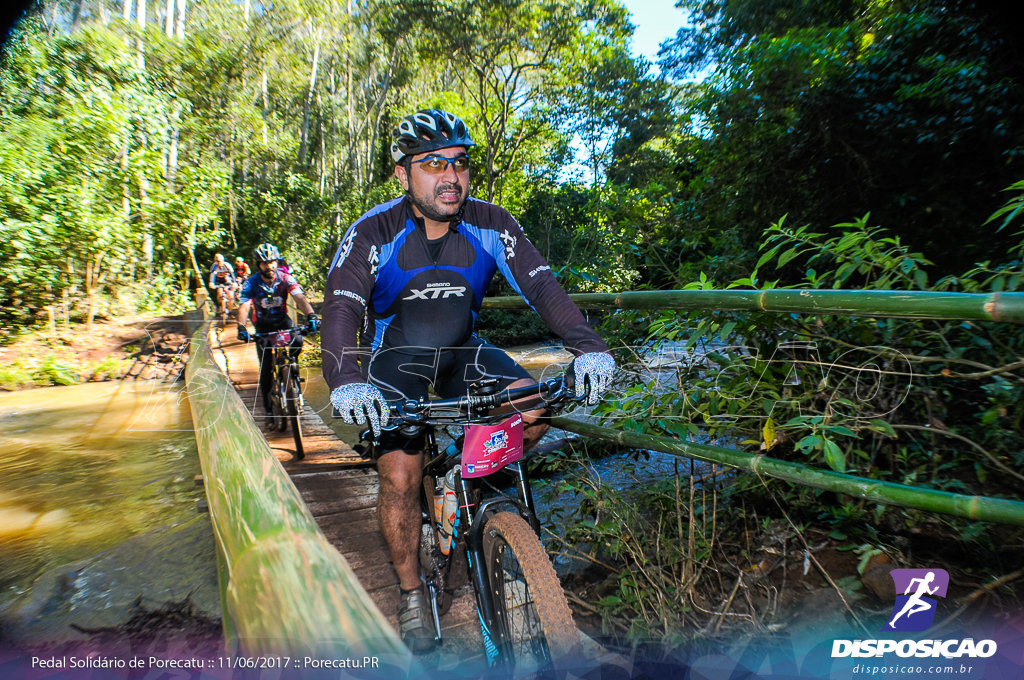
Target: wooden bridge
(339,486)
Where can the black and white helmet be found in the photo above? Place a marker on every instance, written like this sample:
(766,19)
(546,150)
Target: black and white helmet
(428,130)
(266,252)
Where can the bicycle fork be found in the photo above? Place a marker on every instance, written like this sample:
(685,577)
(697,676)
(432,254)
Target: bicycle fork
(478,575)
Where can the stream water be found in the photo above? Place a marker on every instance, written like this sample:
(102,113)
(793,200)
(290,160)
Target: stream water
(84,469)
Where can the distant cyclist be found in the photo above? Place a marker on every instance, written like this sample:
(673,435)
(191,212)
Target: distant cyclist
(242,271)
(265,294)
(222,281)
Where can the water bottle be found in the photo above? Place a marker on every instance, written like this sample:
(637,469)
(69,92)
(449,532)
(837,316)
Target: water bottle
(449,505)
(438,502)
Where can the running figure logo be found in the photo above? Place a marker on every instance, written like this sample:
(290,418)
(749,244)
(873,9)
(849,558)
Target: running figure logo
(914,610)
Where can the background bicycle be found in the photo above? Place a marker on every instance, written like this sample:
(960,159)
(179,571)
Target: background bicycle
(226,301)
(286,388)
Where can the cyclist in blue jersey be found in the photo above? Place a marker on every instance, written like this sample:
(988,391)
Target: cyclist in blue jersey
(265,295)
(410,275)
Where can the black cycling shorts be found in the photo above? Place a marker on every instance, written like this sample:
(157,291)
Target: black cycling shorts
(408,374)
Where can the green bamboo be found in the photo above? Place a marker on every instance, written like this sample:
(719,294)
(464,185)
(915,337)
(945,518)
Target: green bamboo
(286,591)
(1007,307)
(970,507)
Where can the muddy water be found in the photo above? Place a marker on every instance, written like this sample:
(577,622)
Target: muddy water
(83,468)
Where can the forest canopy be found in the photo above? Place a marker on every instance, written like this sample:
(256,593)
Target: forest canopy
(149,135)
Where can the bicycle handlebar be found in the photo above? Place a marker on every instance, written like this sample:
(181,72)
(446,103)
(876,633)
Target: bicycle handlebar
(299,330)
(423,413)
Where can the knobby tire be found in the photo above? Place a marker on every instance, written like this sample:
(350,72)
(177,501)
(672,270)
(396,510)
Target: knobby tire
(277,402)
(225,305)
(291,399)
(535,625)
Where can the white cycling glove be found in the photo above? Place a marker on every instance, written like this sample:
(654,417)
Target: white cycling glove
(360,403)
(595,370)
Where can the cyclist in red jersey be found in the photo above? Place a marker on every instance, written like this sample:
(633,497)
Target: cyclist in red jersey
(242,271)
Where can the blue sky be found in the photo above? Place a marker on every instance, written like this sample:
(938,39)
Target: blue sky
(655,21)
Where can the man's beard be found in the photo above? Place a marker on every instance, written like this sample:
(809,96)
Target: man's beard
(430,213)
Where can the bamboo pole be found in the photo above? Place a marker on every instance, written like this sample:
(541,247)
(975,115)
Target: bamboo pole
(960,505)
(1008,307)
(285,590)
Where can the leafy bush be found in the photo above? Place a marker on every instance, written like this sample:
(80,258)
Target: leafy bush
(928,403)
(53,371)
(14,376)
(912,401)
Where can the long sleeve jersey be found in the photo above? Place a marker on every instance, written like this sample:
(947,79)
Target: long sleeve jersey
(386,279)
(269,300)
(221,275)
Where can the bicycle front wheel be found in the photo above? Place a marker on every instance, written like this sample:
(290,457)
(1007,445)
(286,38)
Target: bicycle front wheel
(278,402)
(291,399)
(535,626)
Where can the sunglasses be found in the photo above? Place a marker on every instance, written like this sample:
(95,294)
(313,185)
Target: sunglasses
(435,165)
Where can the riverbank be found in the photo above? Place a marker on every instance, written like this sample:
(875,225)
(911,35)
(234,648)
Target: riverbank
(110,349)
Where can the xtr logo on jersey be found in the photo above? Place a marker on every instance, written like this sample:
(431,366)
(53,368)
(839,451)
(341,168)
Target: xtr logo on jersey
(435,293)
(346,247)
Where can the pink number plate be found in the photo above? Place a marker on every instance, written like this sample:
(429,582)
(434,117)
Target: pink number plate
(488,448)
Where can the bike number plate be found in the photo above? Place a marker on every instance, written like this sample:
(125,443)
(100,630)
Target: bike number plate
(281,339)
(488,448)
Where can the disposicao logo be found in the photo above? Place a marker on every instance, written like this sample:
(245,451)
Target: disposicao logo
(915,608)
(914,611)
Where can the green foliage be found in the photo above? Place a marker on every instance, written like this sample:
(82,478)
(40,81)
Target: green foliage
(859,257)
(48,371)
(922,402)
(825,110)
(14,376)
(642,541)
(108,368)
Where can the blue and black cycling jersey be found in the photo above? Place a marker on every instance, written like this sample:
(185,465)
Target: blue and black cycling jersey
(413,295)
(269,300)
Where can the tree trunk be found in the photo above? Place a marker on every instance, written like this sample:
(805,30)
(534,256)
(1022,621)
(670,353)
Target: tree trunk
(307,104)
(266,106)
(76,16)
(179,24)
(140,21)
(92,284)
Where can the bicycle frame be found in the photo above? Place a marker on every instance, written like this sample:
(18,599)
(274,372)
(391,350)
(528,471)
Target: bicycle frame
(470,517)
(286,380)
(281,354)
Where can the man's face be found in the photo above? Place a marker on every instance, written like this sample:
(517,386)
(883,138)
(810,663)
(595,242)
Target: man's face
(436,187)
(268,270)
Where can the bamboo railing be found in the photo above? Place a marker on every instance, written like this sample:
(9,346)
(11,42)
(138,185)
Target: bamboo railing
(1002,307)
(285,590)
(960,505)
(1007,307)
